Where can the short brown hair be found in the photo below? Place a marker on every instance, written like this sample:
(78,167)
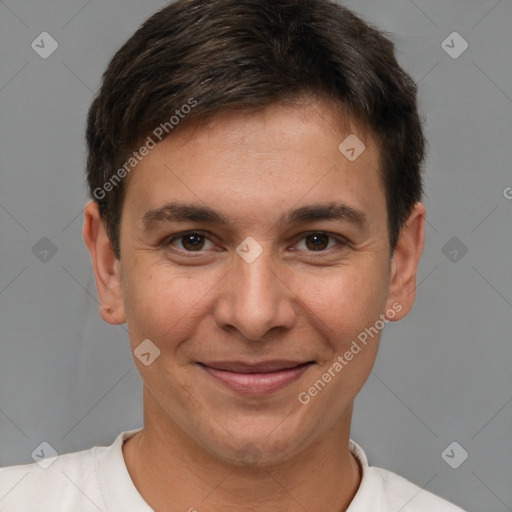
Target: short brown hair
(217,55)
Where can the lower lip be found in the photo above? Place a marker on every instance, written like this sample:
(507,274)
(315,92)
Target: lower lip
(257,383)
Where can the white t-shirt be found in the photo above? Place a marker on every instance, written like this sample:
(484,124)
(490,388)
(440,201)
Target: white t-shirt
(97,480)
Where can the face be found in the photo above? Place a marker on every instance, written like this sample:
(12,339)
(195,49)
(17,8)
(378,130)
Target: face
(256,286)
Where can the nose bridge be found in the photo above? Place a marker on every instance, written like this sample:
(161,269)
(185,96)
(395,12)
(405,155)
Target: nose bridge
(255,300)
(256,279)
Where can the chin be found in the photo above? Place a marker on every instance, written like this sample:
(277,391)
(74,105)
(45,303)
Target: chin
(262,445)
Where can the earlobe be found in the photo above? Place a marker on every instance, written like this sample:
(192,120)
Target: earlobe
(405,261)
(105,265)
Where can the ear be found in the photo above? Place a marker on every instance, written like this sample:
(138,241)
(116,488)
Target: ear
(106,267)
(405,261)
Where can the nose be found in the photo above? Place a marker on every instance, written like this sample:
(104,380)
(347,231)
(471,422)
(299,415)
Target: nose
(255,298)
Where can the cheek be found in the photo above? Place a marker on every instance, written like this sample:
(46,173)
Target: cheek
(346,309)
(346,300)
(158,303)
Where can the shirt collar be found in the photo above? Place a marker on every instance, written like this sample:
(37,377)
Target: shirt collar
(369,494)
(116,485)
(121,495)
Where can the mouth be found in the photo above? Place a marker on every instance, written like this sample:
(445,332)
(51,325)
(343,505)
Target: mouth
(256,378)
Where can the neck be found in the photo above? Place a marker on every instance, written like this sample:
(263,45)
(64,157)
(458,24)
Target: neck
(173,473)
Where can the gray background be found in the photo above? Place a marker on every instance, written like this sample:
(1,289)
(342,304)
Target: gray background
(442,375)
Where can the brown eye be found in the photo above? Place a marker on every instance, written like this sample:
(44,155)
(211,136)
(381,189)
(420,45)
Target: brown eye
(193,242)
(321,242)
(190,242)
(317,241)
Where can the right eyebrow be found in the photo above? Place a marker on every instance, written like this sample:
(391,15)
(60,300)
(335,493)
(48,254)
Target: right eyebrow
(181,212)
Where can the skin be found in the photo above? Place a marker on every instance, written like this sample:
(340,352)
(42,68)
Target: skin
(204,445)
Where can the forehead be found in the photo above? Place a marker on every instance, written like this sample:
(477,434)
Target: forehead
(247,163)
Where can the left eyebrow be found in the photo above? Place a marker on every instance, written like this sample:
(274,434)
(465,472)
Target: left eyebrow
(329,211)
(182,212)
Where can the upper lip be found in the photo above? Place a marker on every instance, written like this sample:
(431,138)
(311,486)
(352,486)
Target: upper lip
(273,365)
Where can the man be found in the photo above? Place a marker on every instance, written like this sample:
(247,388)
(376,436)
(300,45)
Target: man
(255,170)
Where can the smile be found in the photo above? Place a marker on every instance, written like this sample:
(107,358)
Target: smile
(256,379)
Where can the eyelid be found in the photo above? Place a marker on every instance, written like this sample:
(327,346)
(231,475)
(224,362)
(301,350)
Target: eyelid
(177,236)
(340,238)
(341,241)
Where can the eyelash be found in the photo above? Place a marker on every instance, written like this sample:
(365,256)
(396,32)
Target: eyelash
(342,242)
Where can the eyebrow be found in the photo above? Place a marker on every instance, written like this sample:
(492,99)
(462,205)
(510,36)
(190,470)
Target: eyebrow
(182,212)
